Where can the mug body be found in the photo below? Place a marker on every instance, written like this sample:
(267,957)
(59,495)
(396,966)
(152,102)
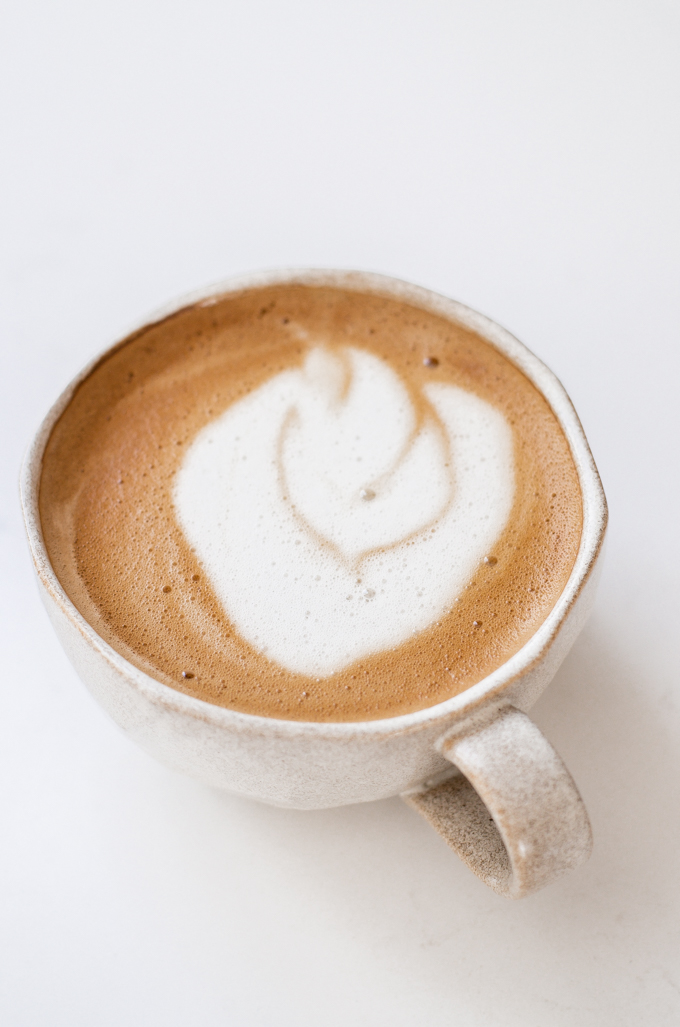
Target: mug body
(312,765)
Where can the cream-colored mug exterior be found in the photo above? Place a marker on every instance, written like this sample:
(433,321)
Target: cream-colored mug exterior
(520,826)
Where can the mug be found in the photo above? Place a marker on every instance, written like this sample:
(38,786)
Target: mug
(475,766)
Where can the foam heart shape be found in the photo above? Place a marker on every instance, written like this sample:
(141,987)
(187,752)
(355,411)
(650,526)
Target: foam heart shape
(335,517)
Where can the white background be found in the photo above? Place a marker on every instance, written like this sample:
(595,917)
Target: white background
(522,157)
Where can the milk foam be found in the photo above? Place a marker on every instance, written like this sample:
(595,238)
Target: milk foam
(333,520)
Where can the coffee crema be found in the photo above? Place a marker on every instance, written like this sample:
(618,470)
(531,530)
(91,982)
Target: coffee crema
(306,502)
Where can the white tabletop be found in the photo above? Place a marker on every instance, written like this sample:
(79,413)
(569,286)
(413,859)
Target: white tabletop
(521,157)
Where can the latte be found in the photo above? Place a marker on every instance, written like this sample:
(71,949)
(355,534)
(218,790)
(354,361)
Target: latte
(306,502)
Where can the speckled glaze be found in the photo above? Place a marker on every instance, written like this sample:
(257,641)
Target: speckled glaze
(515,816)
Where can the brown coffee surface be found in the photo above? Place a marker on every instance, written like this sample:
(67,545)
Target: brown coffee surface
(106,502)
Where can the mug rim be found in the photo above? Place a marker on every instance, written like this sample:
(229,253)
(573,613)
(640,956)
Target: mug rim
(483,692)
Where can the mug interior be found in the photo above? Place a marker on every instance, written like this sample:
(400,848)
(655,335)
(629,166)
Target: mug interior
(490,687)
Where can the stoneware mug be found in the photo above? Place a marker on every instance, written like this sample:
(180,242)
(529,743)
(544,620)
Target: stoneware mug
(476,767)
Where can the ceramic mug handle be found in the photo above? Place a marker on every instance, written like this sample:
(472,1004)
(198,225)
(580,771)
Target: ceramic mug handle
(514,814)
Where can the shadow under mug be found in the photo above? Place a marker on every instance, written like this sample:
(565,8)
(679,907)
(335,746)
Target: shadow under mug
(475,766)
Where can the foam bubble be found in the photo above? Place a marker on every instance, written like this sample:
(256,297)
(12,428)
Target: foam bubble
(273,497)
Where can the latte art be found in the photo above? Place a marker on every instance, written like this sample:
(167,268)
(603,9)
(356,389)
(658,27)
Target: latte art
(311,503)
(337,514)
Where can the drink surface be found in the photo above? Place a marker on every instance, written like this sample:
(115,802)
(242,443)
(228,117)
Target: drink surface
(311,503)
